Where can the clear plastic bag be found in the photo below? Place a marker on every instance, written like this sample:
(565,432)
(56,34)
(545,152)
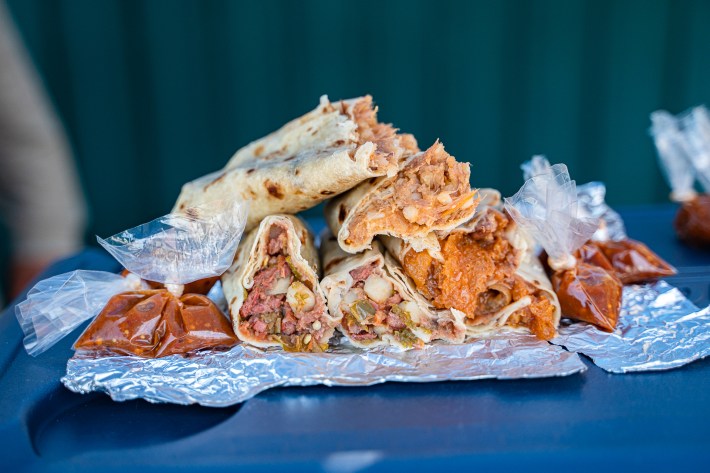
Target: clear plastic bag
(547,207)
(57,305)
(180,248)
(672,154)
(683,144)
(175,249)
(695,127)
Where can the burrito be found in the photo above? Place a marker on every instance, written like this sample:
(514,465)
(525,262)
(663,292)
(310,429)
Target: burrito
(489,271)
(376,303)
(272,288)
(310,159)
(430,192)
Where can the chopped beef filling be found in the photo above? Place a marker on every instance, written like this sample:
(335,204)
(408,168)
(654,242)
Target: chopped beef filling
(362,273)
(267,313)
(430,191)
(478,277)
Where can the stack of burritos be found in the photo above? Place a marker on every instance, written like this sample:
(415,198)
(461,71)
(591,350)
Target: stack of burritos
(413,253)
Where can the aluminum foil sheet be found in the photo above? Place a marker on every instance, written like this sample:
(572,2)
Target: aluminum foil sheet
(658,329)
(226,378)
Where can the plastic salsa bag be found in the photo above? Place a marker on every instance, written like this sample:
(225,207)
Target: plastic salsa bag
(174,250)
(546,206)
(683,145)
(633,261)
(157,323)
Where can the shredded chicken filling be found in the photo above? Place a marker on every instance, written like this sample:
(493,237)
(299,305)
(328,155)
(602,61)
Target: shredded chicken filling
(390,146)
(281,306)
(431,190)
(477,276)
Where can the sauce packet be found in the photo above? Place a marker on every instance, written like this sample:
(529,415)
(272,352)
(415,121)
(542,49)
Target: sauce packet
(173,250)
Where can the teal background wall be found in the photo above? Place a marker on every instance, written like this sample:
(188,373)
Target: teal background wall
(155,93)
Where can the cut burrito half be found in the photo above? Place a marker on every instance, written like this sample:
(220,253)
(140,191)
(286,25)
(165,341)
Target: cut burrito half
(430,192)
(377,304)
(489,271)
(272,288)
(310,159)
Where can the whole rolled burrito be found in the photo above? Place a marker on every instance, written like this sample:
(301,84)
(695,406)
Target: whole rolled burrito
(377,304)
(272,288)
(430,192)
(310,159)
(489,271)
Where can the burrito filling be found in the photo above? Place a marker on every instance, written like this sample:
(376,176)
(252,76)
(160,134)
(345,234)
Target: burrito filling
(372,308)
(431,190)
(390,146)
(478,277)
(282,306)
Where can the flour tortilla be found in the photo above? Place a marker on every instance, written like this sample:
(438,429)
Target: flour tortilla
(310,159)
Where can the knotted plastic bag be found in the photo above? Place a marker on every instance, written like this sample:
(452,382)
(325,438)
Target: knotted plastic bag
(547,207)
(180,248)
(683,144)
(672,155)
(174,250)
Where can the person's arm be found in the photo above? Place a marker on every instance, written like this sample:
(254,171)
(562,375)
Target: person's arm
(40,198)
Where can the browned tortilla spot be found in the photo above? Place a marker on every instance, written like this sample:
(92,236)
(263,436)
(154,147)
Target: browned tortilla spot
(339,143)
(327,192)
(215,181)
(234,299)
(333,262)
(182,206)
(298,171)
(274,189)
(341,213)
(258,150)
(314,132)
(290,158)
(249,171)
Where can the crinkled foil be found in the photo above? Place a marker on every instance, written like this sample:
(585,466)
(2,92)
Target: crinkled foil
(222,379)
(658,329)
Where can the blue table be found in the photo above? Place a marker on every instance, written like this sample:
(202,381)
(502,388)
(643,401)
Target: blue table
(590,421)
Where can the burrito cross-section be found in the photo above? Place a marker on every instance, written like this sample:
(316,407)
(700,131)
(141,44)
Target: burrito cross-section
(489,271)
(273,288)
(377,304)
(430,192)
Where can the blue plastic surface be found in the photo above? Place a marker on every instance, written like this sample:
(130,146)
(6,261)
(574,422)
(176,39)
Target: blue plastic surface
(587,422)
